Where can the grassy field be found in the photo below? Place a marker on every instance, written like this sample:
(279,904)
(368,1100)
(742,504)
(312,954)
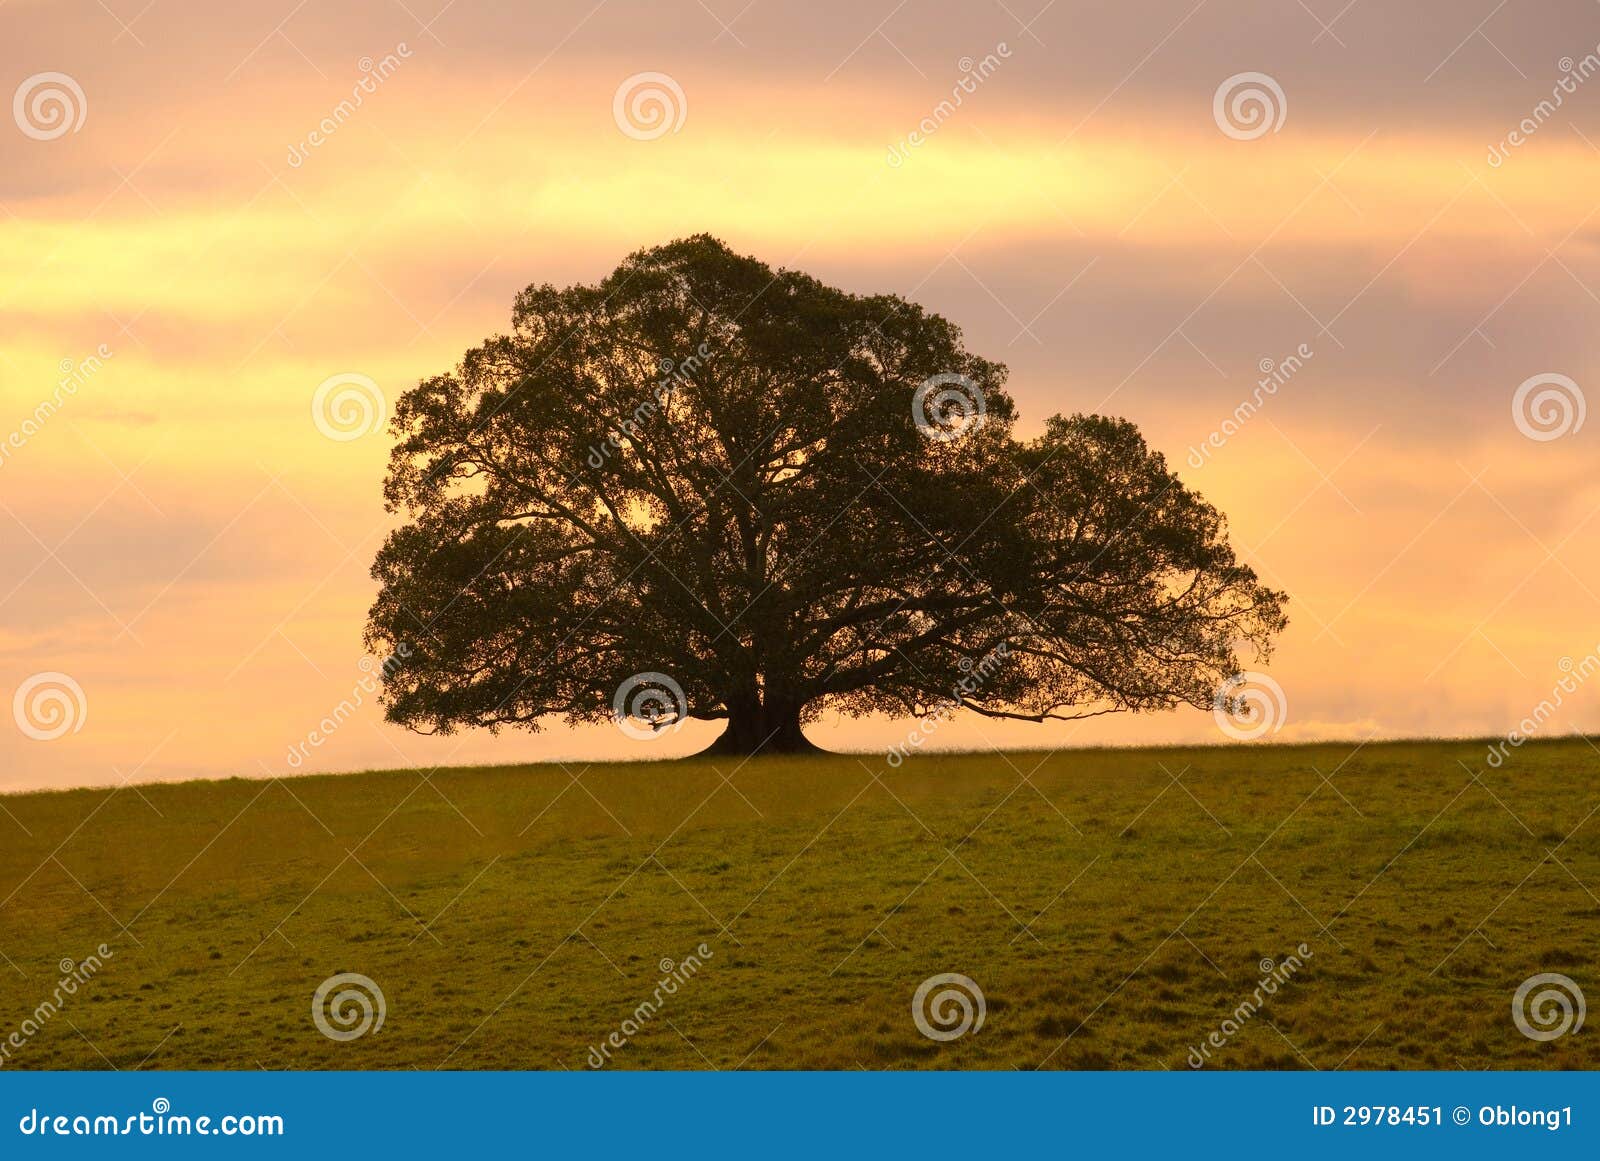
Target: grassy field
(1114,907)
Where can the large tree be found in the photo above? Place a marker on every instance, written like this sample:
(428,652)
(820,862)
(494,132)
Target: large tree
(719,491)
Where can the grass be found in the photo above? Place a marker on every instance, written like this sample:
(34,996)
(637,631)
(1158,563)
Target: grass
(513,917)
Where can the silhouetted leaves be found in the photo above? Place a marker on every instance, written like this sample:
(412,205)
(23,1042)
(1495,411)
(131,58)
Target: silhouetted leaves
(707,468)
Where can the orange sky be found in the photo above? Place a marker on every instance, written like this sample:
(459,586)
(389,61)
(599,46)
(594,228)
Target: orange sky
(186,545)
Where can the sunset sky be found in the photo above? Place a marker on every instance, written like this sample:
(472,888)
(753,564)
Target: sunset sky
(184,542)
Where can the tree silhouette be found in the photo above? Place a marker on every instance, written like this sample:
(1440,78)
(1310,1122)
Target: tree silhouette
(703,488)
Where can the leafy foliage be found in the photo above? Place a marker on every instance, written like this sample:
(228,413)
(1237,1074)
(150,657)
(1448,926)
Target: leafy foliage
(710,469)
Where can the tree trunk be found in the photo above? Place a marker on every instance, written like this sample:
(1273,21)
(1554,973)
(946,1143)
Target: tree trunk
(771,728)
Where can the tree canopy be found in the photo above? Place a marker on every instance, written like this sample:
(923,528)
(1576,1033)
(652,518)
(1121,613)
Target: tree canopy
(703,488)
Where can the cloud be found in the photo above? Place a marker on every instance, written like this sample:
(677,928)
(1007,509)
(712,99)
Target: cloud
(1080,214)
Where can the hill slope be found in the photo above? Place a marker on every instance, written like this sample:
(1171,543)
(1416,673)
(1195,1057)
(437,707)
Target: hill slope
(1114,907)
